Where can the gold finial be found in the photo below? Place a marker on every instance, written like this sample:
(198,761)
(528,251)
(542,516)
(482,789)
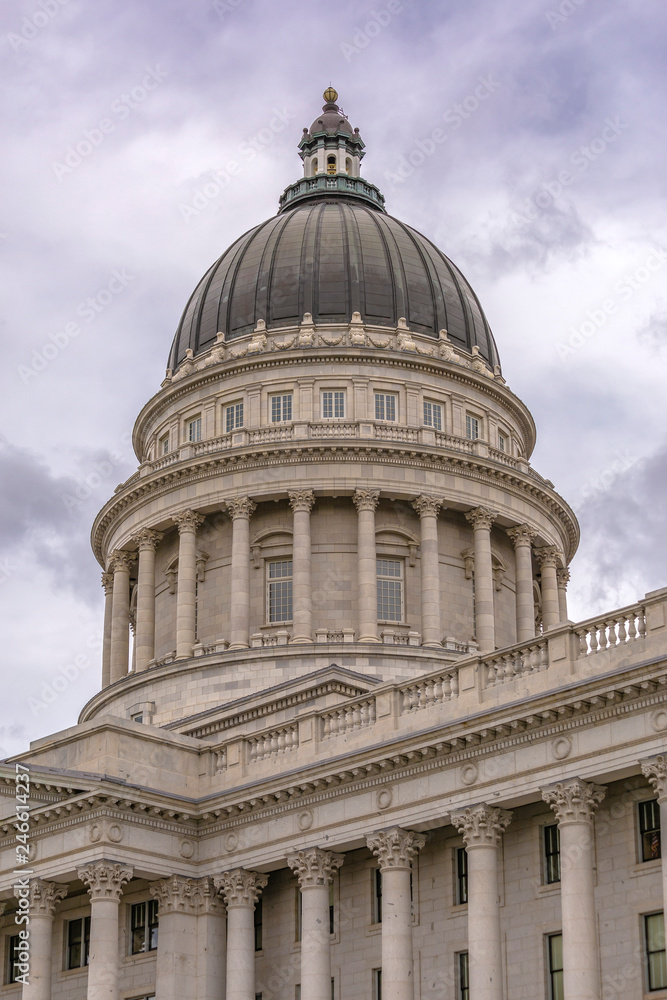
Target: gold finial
(330,95)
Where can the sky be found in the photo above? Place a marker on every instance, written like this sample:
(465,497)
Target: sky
(526,138)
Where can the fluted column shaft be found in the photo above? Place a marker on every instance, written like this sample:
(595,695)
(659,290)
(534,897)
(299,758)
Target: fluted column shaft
(186,597)
(42,900)
(120,616)
(315,870)
(574,803)
(107,583)
(241,890)
(548,556)
(523,537)
(563,578)
(481,520)
(301,502)
(105,881)
(428,508)
(240,511)
(144,642)
(655,769)
(366,501)
(396,849)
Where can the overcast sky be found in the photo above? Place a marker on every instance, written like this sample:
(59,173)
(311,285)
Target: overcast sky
(546,186)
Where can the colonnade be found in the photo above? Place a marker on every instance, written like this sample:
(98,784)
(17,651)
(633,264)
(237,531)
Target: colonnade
(194,963)
(117,580)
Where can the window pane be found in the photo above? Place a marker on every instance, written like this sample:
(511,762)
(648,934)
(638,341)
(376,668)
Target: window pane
(327,404)
(339,404)
(464,977)
(552,853)
(461,875)
(287,407)
(280,591)
(649,828)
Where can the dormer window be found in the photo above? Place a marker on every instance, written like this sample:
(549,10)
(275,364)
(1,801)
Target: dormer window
(331,164)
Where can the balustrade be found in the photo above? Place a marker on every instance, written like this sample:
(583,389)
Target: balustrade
(611,630)
(278,741)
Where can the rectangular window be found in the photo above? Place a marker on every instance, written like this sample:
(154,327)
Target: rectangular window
(463,976)
(333,404)
(472,427)
(281,408)
(649,829)
(555,966)
(194,429)
(377,896)
(12,958)
(258,920)
(390,590)
(656,967)
(377,984)
(432,415)
(279,591)
(143,927)
(502,442)
(331,911)
(551,854)
(78,943)
(461,876)
(385,406)
(164,445)
(233,417)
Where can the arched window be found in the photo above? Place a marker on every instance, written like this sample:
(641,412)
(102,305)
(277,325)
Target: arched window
(331,164)
(348,165)
(313,166)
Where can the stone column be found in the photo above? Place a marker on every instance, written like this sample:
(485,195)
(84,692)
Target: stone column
(655,769)
(482,827)
(241,890)
(105,880)
(144,642)
(240,511)
(315,869)
(481,520)
(43,898)
(211,943)
(548,557)
(396,849)
(301,502)
(187,521)
(107,583)
(366,501)
(428,508)
(523,537)
(120,564)
(562,578)
(574,803)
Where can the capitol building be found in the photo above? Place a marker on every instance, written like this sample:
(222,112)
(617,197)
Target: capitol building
(347,745)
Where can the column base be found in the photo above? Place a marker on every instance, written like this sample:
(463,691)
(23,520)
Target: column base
(368,638)
(432,644)
(301,640)
(238,645)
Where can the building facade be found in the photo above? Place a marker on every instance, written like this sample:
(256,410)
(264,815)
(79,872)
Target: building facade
(347,743)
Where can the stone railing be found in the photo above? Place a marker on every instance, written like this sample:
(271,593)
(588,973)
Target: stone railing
(334,430)
(455,443)
(384,432)
(529,658)
(434,689)
(615,629)
(273,743)
(260,639)
(334,635)
(265,435)
(503,458)
(348,718)
(213,444)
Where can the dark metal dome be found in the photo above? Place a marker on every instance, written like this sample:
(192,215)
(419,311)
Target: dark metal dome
(332,257)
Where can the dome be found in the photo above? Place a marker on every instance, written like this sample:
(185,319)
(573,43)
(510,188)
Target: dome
(332,255)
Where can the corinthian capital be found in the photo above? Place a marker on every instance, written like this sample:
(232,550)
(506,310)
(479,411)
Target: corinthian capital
(314,867)
(105,879)
(107,583)
(395,847)
(301,500)
(175,894)
(574,801)
(366,499)
(655,769)
(147,538)
(522,534)
(240,887)
(548,555)
(188,520)
(563,577)
(121,560)
(44,897)
(481,517)
(481,825)
(426,505)
(241,507)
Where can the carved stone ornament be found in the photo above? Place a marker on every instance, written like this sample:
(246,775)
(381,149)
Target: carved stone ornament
(200,562)
(178,894)
(188,520)
(548,555)
(523,534)
(481,517)
(241,507)
(240,887)
(45,896)
(121,560)
(563,577)
(426,505)
(395,847)
(655,769)
(301,500)
(481,825)
(148,539)
(107,583)
(574,801)
(314,867)
(105,879)
(366,499)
